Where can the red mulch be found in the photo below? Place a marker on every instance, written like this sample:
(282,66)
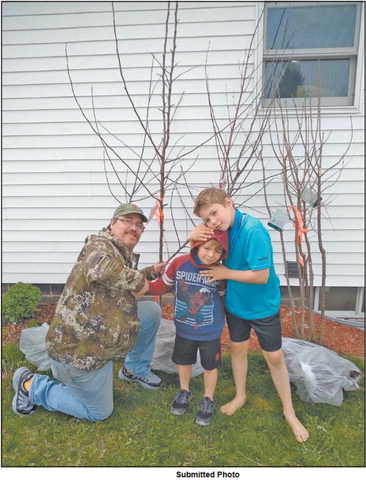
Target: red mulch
(338,337)
(10,332)
(341,338)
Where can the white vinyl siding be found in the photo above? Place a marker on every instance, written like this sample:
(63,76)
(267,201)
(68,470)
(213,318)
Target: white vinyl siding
(54,186)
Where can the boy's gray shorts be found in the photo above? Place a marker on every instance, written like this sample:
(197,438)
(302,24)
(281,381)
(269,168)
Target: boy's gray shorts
(268,330)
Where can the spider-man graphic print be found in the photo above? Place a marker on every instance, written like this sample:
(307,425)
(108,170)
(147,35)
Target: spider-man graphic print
(194,304)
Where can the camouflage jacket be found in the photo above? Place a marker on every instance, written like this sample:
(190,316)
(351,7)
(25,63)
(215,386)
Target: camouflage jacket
(96,315)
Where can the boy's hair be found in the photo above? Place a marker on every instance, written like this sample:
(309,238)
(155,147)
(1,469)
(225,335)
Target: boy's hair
(213,240)
(208,196)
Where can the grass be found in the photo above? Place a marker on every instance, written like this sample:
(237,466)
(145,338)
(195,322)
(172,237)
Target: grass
(142,432)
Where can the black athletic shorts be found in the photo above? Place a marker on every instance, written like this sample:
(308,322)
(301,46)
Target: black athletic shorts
(268,330)
(185,352)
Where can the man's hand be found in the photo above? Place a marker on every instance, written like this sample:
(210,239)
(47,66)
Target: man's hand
(159,268)
(220,272)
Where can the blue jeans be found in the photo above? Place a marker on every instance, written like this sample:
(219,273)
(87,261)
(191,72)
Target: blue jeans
(89,394)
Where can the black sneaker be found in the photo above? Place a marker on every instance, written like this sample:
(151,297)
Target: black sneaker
(206,412)
(151,381)
(21,403)
(181,401)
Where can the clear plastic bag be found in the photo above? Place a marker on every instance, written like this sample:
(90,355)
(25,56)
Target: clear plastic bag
(164,344)
(33,345)
(319,374)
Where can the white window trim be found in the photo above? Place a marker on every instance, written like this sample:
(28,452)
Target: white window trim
(356,70)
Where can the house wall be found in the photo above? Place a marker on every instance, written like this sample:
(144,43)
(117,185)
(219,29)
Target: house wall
(54,182)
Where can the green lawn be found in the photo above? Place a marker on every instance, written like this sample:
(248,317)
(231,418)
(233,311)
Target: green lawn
(142,432)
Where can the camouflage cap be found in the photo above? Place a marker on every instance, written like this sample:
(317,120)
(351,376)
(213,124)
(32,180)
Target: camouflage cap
(127,208)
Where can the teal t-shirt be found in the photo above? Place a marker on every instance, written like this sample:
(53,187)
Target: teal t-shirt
(250,248)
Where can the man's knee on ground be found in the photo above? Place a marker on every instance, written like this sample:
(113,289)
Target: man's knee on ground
(102,415)
(155,310)
(149,308)
(149,313)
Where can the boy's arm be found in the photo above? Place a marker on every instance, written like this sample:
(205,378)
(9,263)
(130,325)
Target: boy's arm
(158,287)
(155,287)
(165,283)
(244,276)
(201,233)
(257,253)
(155,269)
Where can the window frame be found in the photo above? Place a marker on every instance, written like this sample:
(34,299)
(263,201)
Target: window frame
(357,313)
(352,53)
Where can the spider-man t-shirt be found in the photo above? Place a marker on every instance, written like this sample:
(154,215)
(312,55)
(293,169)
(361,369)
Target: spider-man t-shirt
(198,308)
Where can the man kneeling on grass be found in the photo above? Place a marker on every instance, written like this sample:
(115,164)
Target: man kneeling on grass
(97,320)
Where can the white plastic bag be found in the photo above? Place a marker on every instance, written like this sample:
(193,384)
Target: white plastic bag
(33,345)
(319,374)
(164,344)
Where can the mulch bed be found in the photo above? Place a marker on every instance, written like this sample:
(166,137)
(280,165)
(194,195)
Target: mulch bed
(343,339)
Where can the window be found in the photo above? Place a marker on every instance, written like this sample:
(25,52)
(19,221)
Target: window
(346,302)
(338,298)
(309,48)
(342,301)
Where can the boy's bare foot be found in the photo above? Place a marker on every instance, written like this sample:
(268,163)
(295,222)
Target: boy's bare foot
(232,407)
(298,429)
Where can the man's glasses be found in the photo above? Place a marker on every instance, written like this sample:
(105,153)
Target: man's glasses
(130,222)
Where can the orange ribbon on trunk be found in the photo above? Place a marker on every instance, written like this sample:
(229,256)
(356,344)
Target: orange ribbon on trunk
(300,230)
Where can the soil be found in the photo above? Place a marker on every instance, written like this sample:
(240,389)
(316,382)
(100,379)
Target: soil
(343,339)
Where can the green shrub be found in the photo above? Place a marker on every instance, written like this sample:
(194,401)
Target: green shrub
(20,301)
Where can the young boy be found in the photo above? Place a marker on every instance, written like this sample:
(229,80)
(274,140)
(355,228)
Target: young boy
(252,298)
(199,319)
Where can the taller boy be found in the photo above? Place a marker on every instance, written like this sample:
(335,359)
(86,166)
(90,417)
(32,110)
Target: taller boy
(253,296)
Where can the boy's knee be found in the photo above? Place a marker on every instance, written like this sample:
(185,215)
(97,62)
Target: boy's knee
(274,359)
(240,347)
